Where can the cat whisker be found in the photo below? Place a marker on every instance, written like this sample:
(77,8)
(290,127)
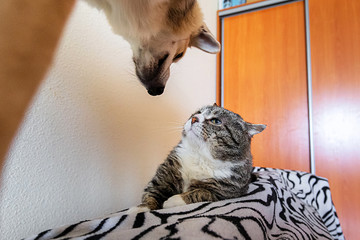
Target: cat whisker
(177,124)
(177,129)
(195,162)
(168,129)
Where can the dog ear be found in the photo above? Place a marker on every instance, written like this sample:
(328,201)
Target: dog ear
(204,40)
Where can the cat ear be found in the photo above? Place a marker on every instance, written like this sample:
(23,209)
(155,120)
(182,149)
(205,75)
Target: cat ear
(215,105)
(205,41)
(255,128)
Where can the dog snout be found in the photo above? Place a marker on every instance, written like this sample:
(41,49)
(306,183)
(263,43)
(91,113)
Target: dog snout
(155,91)
(153,77)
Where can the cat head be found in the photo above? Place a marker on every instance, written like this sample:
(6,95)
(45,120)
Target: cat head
(224,133)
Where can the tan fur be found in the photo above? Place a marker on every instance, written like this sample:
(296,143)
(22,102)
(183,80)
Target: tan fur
(159,31)
(181,24)
(31,29)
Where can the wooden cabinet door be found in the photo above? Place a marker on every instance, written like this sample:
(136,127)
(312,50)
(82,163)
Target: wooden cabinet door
(335,54)
(265,82)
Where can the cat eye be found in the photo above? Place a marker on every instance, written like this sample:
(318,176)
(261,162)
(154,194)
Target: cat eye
(178,56)
(216,121)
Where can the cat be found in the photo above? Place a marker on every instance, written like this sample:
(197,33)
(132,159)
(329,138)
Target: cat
(159,32)
(212,162)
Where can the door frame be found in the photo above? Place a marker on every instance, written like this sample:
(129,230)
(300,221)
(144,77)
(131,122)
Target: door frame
(246,8)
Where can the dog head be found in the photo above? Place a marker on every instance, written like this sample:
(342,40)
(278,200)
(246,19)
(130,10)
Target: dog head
(159,32)
(153,58)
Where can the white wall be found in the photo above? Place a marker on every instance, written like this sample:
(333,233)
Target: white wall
(93,137)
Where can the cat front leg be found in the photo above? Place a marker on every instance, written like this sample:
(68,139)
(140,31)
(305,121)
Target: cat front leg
(174,201)
(148,203)
(136,210)
(212,190)
(194,196)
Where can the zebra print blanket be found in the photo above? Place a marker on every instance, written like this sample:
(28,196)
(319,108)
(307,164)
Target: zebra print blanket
(280,204)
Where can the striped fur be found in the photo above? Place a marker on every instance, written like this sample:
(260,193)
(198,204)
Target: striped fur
(212,162)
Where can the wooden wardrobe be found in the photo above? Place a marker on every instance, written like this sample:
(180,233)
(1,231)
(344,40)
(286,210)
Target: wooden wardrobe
(295,66)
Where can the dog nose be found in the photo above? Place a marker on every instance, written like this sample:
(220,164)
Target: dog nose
(156,91)
(194,120)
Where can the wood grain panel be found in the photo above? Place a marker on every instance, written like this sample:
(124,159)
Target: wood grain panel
(265,82)
(218,62)
(335,53)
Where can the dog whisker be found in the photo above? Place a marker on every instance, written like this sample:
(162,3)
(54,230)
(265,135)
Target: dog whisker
(150,48)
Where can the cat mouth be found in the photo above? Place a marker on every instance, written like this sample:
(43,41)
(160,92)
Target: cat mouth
(193,132)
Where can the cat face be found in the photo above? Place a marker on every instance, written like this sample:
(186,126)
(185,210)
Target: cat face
(224,133)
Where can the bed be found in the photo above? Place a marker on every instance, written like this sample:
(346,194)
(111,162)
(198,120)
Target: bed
(280,204)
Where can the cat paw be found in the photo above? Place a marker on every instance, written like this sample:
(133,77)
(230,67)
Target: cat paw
(136,210)
(174,201)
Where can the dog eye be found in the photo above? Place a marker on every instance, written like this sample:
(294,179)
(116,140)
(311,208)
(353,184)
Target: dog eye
(162,60)
(216,121)
(178,56)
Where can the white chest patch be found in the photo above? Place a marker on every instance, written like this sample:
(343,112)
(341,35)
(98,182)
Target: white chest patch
(198,164)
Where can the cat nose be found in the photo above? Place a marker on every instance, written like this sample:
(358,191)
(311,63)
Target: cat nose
(194,120)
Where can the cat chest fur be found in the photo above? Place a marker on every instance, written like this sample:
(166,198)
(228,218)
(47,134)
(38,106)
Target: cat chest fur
(198,164)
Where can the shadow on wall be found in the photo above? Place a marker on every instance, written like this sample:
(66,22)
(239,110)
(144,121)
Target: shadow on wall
(138,130)
(93,137)
(133,130)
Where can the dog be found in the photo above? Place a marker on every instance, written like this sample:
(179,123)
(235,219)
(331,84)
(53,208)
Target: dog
(159,32)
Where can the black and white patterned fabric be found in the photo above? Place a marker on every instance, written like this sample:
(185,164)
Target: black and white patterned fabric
(280,204)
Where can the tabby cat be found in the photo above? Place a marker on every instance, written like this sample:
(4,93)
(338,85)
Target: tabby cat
(212,162)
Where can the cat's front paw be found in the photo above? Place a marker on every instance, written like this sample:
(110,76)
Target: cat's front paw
(174,201)
(136,210)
